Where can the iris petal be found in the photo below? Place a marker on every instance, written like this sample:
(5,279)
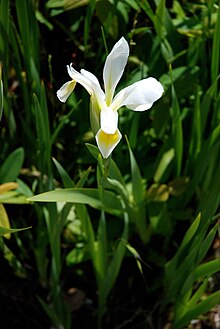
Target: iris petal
(97,91)
(139,96)
(114,67)
(80,78)
(107,142)
(64,92)
(109,121)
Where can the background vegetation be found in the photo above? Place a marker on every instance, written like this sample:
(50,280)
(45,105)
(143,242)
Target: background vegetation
(138,248)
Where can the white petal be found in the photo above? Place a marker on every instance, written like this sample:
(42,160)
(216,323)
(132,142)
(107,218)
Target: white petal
(114,67)
(107,142)
(139,96)
(80,78)
(90,76)
(97,91)
(64,92)
(109,121)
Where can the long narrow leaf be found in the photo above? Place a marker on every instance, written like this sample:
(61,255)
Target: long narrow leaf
(139,197)
(177,132)
(1,93)
(201,308)
(82,196)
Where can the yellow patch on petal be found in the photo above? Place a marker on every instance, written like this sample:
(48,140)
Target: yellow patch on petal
(107,142)
(64,92)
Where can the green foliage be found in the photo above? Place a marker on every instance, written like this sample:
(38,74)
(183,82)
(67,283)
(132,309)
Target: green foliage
(11,166)
(1,93)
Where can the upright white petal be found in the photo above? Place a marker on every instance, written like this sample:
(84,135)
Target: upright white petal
(64,92)
(114,67)
(107,142)
(109,121)
(139,96)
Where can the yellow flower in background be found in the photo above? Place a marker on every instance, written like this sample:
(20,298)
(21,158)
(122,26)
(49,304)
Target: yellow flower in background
(139,96)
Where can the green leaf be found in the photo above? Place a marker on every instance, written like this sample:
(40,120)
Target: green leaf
(43,132)
(62,122)
(147,8)
(207,153)
(29,35)
(136,255)
(107,13)
(196,139)
(76,256)
(87,20)
(4,230)
(139,197)
(87,228)
(216,50)
(101,250)
(207,269)
(115,263)
(177,132)
(114,171)
(83,177)
(159,218)
(93,150)
(4,32)
(4,221)
(23,188)
(67,181)
(201,308)
(49,311)
(13,197)
(159,19)
(42,19)
(206,104)
(173,263)
(83,196)
(1,92)
(197,295)
(166,159)
(11,167)
(207,242)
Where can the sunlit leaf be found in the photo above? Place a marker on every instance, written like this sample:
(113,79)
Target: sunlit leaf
(4,221)
(83,196)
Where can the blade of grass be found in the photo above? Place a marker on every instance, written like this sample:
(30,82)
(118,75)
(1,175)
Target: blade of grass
(1,93)
(216,50)
(139,197)
(177,131)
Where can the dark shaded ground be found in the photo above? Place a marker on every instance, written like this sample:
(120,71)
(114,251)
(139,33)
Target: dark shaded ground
(128,307)
(133,304)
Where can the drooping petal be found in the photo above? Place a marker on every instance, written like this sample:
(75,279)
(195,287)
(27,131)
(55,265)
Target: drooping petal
(107,142)
(64,92)
(97,91)
(90,76)
(80,78)
(114,67)
(109,121)
(139,96)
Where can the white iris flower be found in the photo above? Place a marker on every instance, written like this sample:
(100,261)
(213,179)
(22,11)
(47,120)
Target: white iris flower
(139,96)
